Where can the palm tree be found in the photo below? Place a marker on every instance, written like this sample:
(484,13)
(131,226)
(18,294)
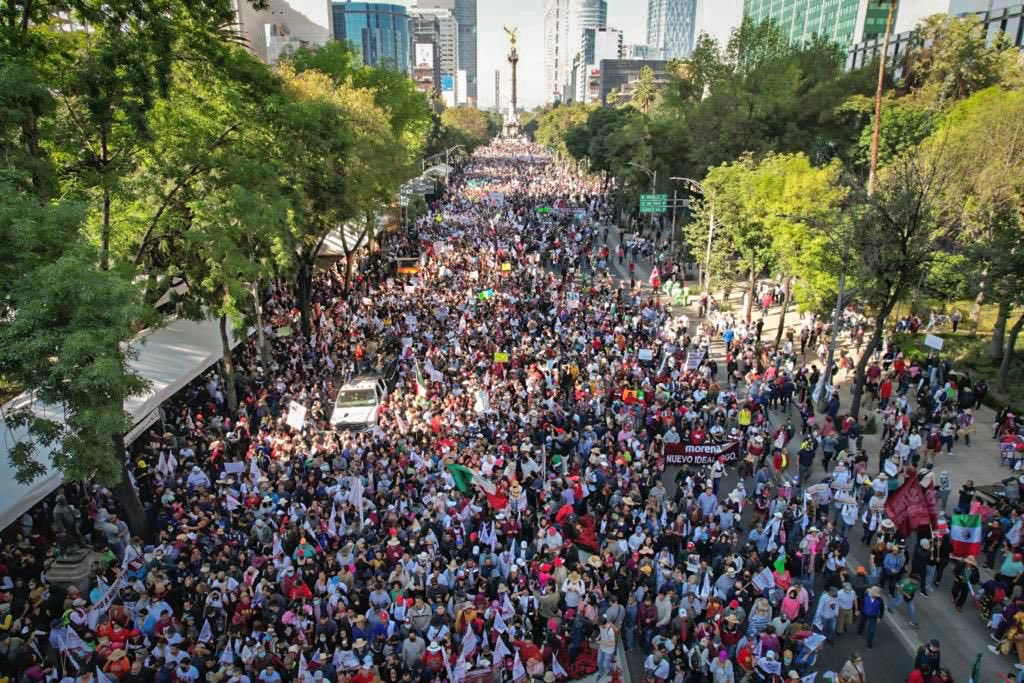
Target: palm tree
(644,90)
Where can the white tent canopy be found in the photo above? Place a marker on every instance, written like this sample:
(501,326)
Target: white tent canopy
(439,171)
(169,358)
(351,236)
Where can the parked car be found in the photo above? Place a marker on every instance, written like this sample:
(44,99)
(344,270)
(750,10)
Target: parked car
(358,403)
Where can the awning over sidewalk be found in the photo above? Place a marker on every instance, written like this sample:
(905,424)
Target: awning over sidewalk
(169,358)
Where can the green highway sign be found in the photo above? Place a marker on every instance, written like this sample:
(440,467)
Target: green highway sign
(653,203)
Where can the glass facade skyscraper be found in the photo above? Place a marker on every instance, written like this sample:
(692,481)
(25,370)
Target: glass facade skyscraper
(670,27)
(379,32)
(843,22)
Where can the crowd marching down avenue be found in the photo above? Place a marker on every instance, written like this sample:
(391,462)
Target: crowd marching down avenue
(562,477)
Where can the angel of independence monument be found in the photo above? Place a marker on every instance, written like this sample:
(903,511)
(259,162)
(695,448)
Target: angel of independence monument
(510,128)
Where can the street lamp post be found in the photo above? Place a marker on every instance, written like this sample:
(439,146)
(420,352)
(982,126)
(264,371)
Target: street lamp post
(447,158)
(698,187)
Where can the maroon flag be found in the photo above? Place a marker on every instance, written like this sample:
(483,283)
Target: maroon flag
(908,508)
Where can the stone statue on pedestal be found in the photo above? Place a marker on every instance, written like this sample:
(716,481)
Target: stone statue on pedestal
(69,538)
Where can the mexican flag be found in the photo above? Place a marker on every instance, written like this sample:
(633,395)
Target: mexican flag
(976,670)
(465,477)
(421,384)
(966,535)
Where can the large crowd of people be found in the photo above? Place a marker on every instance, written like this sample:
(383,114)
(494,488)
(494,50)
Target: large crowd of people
(559,473)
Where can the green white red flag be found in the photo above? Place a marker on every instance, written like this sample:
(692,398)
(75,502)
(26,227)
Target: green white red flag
(965,534)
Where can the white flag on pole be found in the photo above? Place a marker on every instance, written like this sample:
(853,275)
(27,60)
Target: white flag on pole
(557,669)
(206,635)
(501,650)
(518,670)
(332,521)
(227,657)
(499,623)
(278,549)
(469,644)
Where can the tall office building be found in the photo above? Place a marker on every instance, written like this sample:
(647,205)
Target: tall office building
(448,35)
(844,22)
(564,24)
(557,58)
(464,12)
(426,51)
(497,90)
(585,15)
(378,31)
(284,26)
(670,26)
(598,44)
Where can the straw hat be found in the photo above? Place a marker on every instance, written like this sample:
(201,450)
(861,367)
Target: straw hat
(360,643)
(594,561)
(116,655)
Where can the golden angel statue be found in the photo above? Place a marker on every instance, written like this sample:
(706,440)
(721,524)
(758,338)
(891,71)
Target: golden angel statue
(512,34)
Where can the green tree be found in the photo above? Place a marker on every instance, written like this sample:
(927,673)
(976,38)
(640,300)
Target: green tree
(554,123)
(953,57)
(740,230)
(471,124)
(63,324)
(988,182)
(799,206)
(645,90)
(895,236)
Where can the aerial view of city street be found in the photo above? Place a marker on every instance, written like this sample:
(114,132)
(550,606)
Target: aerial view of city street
(470,341)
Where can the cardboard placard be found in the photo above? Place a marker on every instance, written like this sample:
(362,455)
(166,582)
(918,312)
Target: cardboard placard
(296,416)
(694,359)
(933,342)
(500,357)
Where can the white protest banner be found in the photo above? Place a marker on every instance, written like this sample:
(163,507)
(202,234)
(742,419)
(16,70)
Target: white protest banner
(645,354)
(296,416)
(104,603)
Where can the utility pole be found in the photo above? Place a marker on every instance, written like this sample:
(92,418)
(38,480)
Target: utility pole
(877,128)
